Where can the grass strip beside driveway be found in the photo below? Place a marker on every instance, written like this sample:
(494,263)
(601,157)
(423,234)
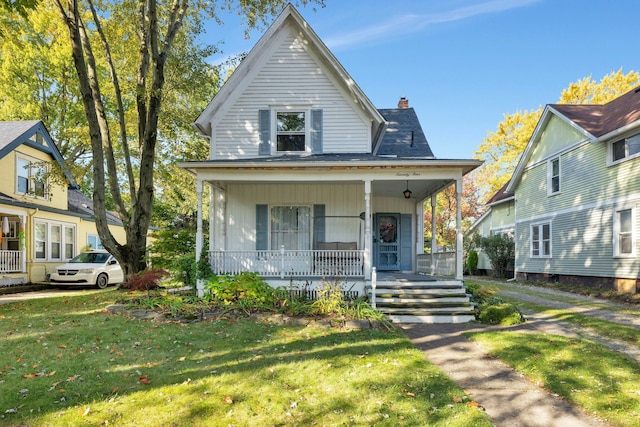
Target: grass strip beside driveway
(67,362)
(602,382)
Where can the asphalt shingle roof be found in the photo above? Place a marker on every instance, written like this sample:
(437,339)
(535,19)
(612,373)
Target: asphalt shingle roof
(404,136)
(601,119)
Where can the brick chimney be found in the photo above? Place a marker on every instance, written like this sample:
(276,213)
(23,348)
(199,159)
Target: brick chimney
(403,103)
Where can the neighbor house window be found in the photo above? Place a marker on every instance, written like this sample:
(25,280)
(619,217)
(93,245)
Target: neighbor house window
(54,241)
(93,241)
(291,227)
(290,131)
(31,178)
(623,236)
(541,240)
(553,174)
(625,148)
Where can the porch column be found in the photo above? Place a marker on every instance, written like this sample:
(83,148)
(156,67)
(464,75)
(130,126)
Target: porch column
(434,237)
(212,219)
(367,230)
(22,244)
(199,237)
(459,252)
(420,228)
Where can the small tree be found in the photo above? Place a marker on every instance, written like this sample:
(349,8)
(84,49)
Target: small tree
(501,251)
(472,262)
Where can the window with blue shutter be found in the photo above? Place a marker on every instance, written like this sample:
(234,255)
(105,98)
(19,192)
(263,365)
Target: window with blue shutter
(264,127)
(262,227)
(316,131)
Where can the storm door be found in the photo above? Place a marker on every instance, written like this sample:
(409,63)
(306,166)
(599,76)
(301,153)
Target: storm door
(386,242)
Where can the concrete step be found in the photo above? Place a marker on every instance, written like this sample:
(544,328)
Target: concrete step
(437,318)
(434,291)
(428,310)
(418,285)
(413,302)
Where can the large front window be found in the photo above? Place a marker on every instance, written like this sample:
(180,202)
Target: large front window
(625,148)
(541,240)
(291,227)
(291,131)
(624,239)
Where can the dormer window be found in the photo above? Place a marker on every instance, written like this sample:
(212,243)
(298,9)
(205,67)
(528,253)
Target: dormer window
(291,131)
(625,148)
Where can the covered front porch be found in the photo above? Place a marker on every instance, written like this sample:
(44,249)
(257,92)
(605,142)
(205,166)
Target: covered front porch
(13,257)
(315,222)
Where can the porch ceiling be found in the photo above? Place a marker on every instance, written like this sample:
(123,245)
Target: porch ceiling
(420,189)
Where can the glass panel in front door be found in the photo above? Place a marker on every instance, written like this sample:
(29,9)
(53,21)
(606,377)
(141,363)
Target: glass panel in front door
(388,258)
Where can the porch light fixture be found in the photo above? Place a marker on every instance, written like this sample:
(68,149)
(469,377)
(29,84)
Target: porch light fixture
(407,192)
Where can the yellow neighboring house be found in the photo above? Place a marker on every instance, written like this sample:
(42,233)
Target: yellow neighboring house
(44,223)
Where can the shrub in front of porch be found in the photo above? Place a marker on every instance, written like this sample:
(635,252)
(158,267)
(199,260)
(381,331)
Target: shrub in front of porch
(491,309)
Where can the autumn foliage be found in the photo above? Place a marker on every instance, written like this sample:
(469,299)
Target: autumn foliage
(145,281)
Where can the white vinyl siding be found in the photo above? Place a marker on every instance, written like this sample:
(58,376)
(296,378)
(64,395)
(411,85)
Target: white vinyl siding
(279,85)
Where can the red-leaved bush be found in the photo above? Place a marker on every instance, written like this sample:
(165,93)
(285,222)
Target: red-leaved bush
(145,281)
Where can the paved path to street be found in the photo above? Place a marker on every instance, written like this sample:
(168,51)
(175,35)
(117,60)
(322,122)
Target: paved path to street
(507,397)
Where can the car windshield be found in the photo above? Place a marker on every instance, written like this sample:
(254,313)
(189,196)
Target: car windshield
(91,257)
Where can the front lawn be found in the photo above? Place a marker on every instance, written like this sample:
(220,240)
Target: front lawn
(65,361)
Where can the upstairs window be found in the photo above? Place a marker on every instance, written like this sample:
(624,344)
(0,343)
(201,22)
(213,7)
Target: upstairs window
(291,131)
(31,178)
(625,148)
(553,176)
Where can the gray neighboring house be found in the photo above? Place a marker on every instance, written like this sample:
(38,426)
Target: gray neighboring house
(577,196)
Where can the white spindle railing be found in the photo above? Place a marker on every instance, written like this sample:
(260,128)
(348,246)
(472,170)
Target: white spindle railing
(287,263)
(10,261)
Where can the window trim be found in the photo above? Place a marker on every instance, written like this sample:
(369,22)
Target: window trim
(541,240)
(307,128)
(610,160)
(616,232)
(550,176)
(30,176)
(47,240)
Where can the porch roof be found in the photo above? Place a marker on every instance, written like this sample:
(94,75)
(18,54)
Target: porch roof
(334,161)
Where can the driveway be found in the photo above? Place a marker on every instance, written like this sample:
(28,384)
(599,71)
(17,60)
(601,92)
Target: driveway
(48,293)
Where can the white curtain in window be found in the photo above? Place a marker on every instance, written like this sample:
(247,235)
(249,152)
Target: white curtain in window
(291,227)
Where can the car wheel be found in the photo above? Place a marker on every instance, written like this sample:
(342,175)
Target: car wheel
(102,281)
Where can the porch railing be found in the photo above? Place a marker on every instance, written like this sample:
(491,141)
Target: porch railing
(440,264)
(287,263)
(10,261)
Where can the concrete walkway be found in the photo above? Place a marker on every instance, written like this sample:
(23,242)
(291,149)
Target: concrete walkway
(506,396)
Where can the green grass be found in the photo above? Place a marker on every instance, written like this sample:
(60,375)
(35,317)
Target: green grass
(602,382)
(64,361)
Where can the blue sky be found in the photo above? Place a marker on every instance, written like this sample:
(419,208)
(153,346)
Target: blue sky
(464,64)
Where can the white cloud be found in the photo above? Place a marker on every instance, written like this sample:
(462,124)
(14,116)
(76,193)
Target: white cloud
(411,23)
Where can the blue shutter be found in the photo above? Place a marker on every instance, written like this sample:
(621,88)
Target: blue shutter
(316,131)
(262,227)
(405,242)
(264,127)
(319,224)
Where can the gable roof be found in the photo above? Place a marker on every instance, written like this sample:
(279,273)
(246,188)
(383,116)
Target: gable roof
(597,121)
(230,90)
(15,133)
(403,136)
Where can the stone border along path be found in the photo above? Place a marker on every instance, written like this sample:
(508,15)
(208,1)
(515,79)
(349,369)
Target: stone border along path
(507,397)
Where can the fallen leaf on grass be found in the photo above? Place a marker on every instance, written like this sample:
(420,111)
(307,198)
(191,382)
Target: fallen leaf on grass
(62,346)
(30,376)
(411,394)
(144,379)
(228,400)
(457,399)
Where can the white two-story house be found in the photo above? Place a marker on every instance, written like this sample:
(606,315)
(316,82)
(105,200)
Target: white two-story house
(308,178)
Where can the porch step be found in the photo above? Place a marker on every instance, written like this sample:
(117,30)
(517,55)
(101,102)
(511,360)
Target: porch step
(444,301)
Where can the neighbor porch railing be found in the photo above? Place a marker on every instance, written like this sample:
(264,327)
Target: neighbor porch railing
(10,261)
(288,263)
(438,264)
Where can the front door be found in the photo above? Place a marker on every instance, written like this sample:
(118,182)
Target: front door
(386,242)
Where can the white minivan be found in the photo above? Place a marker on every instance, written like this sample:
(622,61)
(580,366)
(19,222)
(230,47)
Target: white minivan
(97,267)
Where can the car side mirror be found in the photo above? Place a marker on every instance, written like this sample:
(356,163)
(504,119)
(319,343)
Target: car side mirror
(113,262)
